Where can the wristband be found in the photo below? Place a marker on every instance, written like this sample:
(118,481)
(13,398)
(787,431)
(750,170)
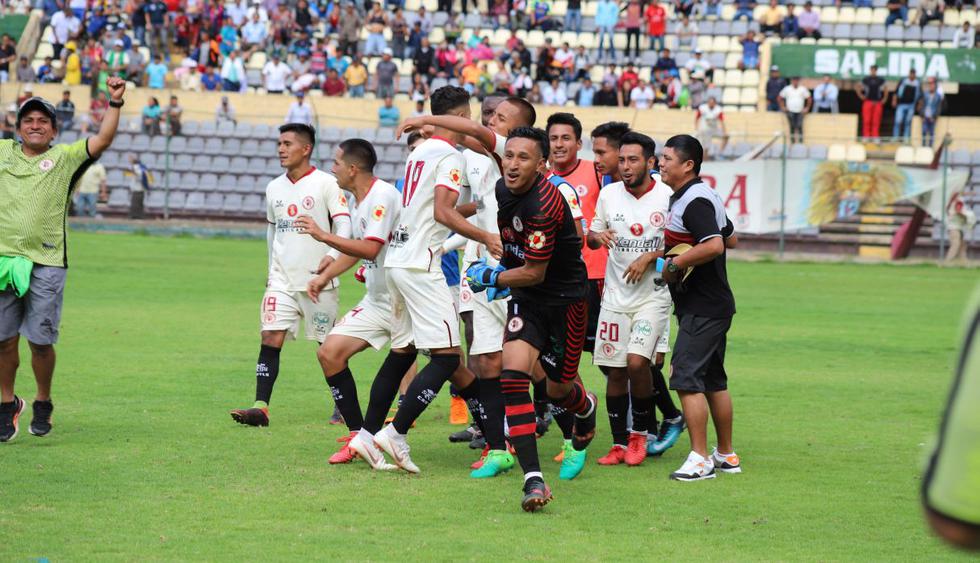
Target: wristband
(115,104)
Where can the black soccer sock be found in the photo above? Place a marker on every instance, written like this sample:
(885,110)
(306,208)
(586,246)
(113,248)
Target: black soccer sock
(541,401)
(492,403)
(266,372)
(565,420)
(617,406)
(642,408)
(345,396)
(576,401)
(471,394)
(384,389)
(661,394)
(401,399)
(520,418)
(424,389)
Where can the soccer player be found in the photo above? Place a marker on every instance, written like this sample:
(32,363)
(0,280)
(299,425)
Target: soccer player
(704,305)
(294,259)
(368,324)
(424,314)
(542,265)
(629,221)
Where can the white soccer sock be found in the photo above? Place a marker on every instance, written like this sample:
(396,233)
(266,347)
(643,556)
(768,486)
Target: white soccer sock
(537,474)
(365,436)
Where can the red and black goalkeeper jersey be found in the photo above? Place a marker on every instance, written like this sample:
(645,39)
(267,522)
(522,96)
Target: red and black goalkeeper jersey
(538,225)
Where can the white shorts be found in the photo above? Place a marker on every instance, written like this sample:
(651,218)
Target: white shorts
(283,310)
(423,310)
(456,293)
(369,321)
(619,334)
(465,296)
(663,345)
(489,320)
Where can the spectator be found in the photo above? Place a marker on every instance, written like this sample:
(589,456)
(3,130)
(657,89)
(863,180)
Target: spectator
(302,75)
(27,94)
(534,95)
(606,96)
(627,81)
(225,112)
(303,18)
(960,220)
(541,18)
(65,112)
(665,65)
(254,35)
(522,54)
(137,18)
(685,7)
(744,8)
(237,11)
(772,19)
(424,21)
(384,76)
(698,63)
(349,30)
(424,60)
(8,54)
(229,37)
(65,27)
(356,76)
(117,59)
(333,86)
(300,110)
(795,100)
(962,39)
(90,186)
(872,91)
(687,34)
(73,65)
(415,37)
(573,16)
(656,18)
(135,65)
(606,19)
(499,12)
(750,51)
(399,33)
(190,79)
(554,94)
(174,114)
(138,186)
(582,63)
(670,90)
(791,23)
(151,114)
(825,96)
(210,80)
(634,16)
(642,95)
(522,81)
(564,59)
(377,21)
(709,8)
(388,114)
(696,89)
(276,73)
(25,72)
(930,106)
(709,122)
(930,10)
(8,127)
(585,97)
(258,8)
(156,73)
(907,95)
(157,22)
(897,11)
(233,73)
(809,22)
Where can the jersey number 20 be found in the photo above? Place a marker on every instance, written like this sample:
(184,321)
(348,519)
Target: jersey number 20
(413,173)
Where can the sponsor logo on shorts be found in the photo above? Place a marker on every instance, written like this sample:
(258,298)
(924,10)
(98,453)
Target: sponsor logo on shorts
(308,203)
(657,219)
(518,226)
(636,229)
(515,324)
(644,328)
(608,350)
(45,165)
(321,320)
(292,210)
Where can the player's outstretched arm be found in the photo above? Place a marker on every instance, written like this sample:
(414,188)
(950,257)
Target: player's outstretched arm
(366,249)
(531,273)
(445,213)
(483,135)
(99,142)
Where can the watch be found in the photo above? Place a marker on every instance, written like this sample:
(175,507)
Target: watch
(115,104)
(671,267)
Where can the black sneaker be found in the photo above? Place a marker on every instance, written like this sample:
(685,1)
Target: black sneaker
(251,417)
(584,430)
(41,423)
(536,495)
(10,418)
(478,442)
(467,434)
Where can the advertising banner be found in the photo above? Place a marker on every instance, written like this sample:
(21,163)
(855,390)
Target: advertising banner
(850,63)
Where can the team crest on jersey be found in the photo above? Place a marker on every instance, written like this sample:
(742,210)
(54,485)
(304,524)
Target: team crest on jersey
(343,200)
(608,350)
(515,324)
(307,203)
(636,229)
(45,165)
(456,176)
(518,226)
(657,219)
(537,240)
(292,210)
(378,213)
(269,318)
(508,234)
(581,190)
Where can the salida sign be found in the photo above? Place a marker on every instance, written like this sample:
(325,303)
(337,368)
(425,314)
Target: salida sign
(856,62)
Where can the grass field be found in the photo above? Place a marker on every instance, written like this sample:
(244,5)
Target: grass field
(839,373)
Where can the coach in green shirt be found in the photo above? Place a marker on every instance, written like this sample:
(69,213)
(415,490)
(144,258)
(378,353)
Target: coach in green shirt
(36,181)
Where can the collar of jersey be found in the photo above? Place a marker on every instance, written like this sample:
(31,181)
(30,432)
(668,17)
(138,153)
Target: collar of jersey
(677,195)
(439,138)
(308,172)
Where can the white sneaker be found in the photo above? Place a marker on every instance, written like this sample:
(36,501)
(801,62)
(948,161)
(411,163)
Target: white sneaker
(370,453)
(395,445)
(729,463)
(695,468)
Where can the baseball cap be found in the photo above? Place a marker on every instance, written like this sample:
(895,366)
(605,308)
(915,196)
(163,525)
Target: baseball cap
(35,104)
(697,51)
(773,67)
(118,43)
(388,51)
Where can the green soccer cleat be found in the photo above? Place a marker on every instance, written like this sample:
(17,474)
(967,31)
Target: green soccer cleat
(573,462)
(497,462)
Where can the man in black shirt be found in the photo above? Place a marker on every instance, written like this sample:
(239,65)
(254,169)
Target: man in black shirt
(774,85)
(704,305)
(872,91)
(543,268)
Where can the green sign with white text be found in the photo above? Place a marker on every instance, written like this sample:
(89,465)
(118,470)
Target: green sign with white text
(848,63)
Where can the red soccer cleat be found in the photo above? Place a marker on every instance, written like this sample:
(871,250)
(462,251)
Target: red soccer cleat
(344,454)
(616,455)
(483,456)
(636,449)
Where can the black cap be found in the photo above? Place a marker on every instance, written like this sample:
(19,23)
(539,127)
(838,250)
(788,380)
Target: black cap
(38,104)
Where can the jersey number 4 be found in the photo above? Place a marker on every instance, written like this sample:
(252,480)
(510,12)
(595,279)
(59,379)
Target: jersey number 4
(413,173)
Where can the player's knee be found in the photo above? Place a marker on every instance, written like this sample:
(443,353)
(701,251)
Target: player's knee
(41,350)
(331,359)
(9,345)
(273,338)
(636,364)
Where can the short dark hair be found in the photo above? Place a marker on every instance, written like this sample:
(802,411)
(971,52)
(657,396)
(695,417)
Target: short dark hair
(448,98)
(301,129)
(359,153)
(534,134)
(565,118)
(412,137)
(527,109)
(633,138)
(687,148)
(612,132)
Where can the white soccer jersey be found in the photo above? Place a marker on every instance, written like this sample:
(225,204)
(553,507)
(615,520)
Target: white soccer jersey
(374,219)
(482,174)
(416,242)
(639,225)
(710,118)
(295,257)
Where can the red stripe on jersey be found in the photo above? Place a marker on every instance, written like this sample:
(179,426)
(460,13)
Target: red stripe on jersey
(673,238)
(340,215)
(375,239)
(308,172)
(450,188)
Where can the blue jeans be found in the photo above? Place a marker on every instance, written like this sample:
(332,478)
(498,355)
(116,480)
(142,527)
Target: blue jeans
(375,44)
(573,20)
(85,206)
(746,12)
(928,131)
(607,33)
(357,91)
(903,120)
(903,14)
(863,4)
(656,43)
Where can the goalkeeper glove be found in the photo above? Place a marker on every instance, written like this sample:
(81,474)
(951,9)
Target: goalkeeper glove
(481,275)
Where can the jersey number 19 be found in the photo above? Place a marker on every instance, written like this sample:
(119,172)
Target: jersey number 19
(413,173)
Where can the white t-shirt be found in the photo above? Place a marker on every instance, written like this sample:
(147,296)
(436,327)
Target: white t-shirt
(642,97)
(710,118)
(295,256)
(374,219)
(482,174)
(639,225)
(63,27)
(795,98)
(276,75)
(417,241)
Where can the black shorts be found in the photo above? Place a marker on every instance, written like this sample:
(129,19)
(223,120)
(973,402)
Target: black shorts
(594,300)
(557,331)
(698,362)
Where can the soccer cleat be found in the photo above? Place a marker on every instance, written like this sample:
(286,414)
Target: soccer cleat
(478,443)
(695,468)
(572,463)
(467,434)
(363,446)
(483,456)
(497,462)
(728,463)
(251,417)
(561,454)
(542,424)
(584,429)
(336,417)
(395,445)
(458,411)
(536,495)
(616,455)
(636,449)
(344,454)
(41,422)
(10,418)
(670,431)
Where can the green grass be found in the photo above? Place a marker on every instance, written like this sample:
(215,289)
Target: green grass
(839,373)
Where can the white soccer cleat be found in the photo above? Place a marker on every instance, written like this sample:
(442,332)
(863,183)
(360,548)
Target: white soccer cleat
(728,463)
(695,468)
(395,445)
(370,453)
